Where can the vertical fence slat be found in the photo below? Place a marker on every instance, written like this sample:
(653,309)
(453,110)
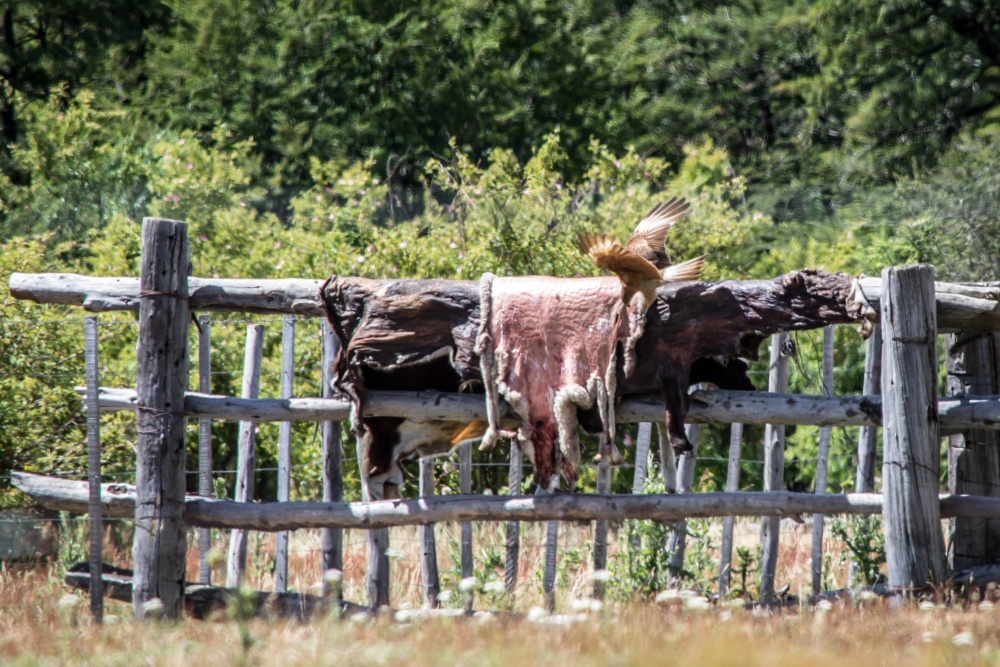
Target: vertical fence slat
(94,468)
(284,448)
(204,443)
(601,527)
(549,576)
(728,523)
(868,435)
(974,455)
(642,438)
(677,543)
(331,539)
(246,456)
(668,460)
(822,462)
(159,548)
(911,513)
(774,469)
(512,543)
(465,487)
(377,574)
(428,546)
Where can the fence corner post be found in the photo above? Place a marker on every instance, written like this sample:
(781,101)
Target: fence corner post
(914,545)
(160,545)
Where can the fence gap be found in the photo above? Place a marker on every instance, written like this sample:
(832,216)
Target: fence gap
(204,444)
(159,551)
(677,542)
(94,469)
(728,522)
(911,513)
(246,456)
(774,469)
(465,488)
(512,543)
(973,456)
(822,463)
(331,539)
(428,546)
(285,448)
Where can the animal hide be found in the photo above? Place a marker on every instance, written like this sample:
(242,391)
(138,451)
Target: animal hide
(402,335)
(549,347)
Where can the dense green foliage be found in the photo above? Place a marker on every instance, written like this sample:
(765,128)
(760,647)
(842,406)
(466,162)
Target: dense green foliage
(452,137)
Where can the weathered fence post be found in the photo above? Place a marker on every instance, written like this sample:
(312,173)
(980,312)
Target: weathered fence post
(774,469)
(285,449)
(642,439)
(428,545)
(94,468)
(160,543)
(551,553)
(668,461)
(601,527)
(677,543)
(822,462)
(246,456)
(512,542)
(465,488)
(974,456)
(914,547)
(204,443)
(331,539)
(728,523)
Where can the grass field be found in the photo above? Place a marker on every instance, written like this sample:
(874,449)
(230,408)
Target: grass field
(42,623)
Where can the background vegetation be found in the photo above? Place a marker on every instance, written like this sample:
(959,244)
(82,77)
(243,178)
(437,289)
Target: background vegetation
(309,137)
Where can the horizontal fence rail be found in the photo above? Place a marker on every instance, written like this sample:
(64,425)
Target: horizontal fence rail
(118,501)
(707,407)
(959,306)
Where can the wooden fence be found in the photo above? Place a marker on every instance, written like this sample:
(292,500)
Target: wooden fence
(912,309)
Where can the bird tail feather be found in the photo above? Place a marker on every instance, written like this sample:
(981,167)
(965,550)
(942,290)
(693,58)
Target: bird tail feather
(685,271)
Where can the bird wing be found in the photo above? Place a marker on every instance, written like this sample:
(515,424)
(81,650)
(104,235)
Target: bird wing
(650,234)
(685,271)
(608,254)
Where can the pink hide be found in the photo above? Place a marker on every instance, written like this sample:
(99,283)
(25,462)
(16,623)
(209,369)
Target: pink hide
(548,347)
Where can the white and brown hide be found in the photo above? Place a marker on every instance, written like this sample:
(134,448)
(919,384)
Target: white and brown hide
(402,335)
(550,347)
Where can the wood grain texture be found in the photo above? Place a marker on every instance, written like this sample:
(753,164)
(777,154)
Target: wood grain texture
(160,543)
(914,546)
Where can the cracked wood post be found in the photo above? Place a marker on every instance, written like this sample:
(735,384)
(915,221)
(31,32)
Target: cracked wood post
(774,470)
(974,455)
(822,462)
(914,546)
(285,450)
(428,545)
(246,456)
(642,441)
(94,467)
(160,544)
(728,522)
(512,543)
(204,444)
(331,539)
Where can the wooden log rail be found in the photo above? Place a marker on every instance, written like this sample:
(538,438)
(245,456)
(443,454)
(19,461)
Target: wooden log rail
(959,306)
(118,501)
(707,407)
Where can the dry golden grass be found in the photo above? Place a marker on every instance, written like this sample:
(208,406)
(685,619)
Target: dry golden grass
(41,623)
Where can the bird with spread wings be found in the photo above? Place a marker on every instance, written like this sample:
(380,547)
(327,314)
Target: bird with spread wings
(643,264)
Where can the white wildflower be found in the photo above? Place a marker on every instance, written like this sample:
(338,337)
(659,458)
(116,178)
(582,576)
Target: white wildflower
(468,584)
(963,639)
